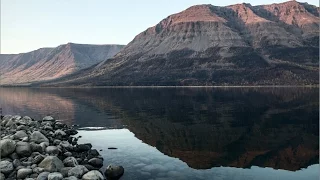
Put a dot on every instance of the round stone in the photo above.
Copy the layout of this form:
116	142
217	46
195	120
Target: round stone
6	167
52	150
7	147
23	173
93	175
55	176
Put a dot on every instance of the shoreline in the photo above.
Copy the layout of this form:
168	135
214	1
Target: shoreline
80	87
48	149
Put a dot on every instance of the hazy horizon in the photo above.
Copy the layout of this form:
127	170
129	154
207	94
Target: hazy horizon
34	24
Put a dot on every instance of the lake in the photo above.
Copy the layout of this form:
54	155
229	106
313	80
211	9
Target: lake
188	133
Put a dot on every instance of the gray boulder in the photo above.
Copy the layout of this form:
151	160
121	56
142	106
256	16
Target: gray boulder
114	172
44	145
43	176
68	154
25	139
92	153
11	137
16	163
93	175
37	159
16	117
25	120
59	125
59	132
38	170
34	154
23	149
66	145
36	147
5	119
6	167
34	176
26	163
78	171
10	123
48	118
48	127
96	162
71	178
2	177
51	164
22	127
56	142
46	123
38	137
34	124
14	156
20	134
90	167
7	147
19	167
70	162
52	150
64	171
55	176
33	166
3	136
23	173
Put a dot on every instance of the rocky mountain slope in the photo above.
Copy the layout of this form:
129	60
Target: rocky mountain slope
51	63
240	44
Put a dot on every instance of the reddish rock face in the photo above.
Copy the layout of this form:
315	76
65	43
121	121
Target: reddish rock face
293	13
51	63
240	44
242	25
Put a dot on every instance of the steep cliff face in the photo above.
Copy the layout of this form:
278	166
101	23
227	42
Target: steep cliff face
240	44
51	63
301	15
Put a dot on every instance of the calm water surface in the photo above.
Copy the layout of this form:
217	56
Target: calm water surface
188	133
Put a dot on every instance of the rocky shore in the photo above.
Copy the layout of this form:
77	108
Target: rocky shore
47	149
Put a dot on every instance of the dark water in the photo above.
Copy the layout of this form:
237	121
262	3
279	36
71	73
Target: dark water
189	133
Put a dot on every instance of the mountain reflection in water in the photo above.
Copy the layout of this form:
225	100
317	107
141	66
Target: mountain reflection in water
204	127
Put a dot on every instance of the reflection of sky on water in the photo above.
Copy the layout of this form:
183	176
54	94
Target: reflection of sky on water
142	161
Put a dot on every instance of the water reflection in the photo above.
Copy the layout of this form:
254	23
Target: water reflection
204	127
36	103
144	162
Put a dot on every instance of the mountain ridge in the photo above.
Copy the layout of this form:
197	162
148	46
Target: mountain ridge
210	45
51	63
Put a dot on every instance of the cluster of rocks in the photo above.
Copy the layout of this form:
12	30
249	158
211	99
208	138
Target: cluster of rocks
48	150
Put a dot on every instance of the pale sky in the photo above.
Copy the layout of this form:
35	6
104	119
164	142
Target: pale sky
28	25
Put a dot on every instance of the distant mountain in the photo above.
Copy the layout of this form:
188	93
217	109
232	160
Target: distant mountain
51	63
241	44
